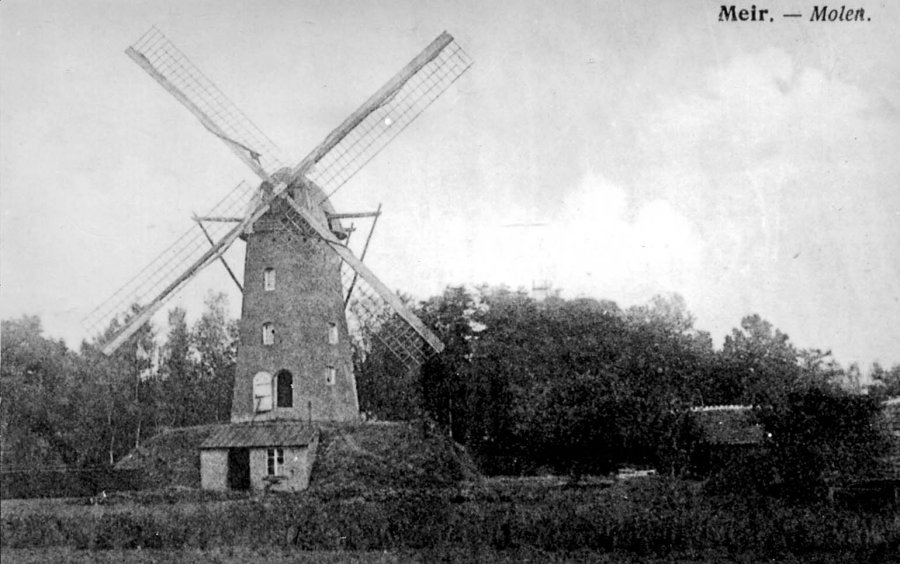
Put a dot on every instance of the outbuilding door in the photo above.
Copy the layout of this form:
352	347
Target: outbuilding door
239	469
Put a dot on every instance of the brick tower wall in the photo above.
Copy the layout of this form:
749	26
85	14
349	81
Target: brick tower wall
306	300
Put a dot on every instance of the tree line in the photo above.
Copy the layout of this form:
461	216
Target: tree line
82	408
583	385
576	385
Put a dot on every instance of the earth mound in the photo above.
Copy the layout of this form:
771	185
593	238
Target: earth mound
379	455
170	458
350	457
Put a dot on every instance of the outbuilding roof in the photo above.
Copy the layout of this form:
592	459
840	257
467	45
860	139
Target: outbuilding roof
267	434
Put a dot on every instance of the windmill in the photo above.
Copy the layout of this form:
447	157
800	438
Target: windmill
303	288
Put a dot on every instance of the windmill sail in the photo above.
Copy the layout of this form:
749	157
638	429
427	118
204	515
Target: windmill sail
148	288
168	66
388	112
369	313
340	156
411	341
345	151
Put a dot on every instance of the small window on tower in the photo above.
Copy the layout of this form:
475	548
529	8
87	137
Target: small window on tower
332	334
269	279
268	334
330	374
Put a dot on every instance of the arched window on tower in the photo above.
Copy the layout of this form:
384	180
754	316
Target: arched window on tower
262	392
269	279
268	334
284	389
330	375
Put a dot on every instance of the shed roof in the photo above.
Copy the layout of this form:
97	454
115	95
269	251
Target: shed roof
268	434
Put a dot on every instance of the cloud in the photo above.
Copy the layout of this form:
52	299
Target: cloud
596	243
617	253
783	169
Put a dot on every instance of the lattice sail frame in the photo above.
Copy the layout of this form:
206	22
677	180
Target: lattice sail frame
163	270
367	310
177	74
383	117
359	139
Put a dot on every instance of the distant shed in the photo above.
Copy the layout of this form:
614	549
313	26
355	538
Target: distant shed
728	430
728	435
274	455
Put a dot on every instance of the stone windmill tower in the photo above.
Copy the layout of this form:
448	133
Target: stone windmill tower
294	356
303	289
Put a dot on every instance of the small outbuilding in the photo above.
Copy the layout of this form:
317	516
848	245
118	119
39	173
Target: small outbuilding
728	434
270	456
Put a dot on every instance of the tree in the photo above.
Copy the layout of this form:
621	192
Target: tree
214	338
449	393
177	373
523	379
86	408
60	407
197	365
887	382
818	367
669	313
122	372
38	404
576	426
759	363
822	436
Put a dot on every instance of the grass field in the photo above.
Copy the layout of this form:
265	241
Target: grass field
507	520
227	556
250	556
394	493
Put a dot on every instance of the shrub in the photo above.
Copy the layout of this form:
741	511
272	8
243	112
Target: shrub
821	437
815	438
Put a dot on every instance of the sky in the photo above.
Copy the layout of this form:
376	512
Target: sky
617	149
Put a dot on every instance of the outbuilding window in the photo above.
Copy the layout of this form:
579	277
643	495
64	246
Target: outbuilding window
269	279
275	461
268	334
